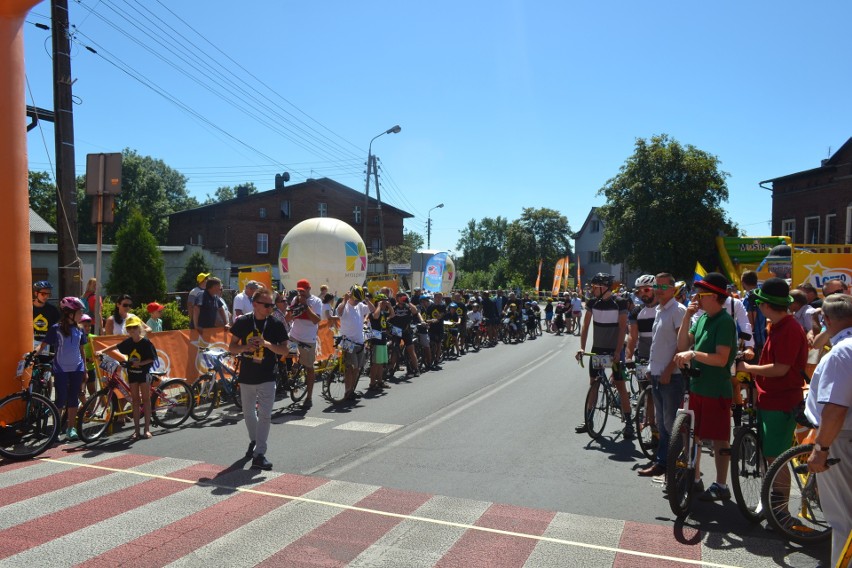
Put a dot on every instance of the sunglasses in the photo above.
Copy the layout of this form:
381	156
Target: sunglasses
126	305
265	304
704	294
662	286
644	289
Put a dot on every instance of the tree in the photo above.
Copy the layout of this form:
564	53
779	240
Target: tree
137	266
663	209
552	236
401	254
43	196
194	266
482	243
226	192
148	184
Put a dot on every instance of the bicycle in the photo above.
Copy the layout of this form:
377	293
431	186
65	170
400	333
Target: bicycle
333	374
171	401
644	420
683	453
788	482
29	421
601	398
219	384
290	375
748	464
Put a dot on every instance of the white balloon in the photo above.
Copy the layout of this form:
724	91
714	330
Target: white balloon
449	276
325	251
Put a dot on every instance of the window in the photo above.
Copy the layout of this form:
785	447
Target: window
595	227
200	240
811	230
594	256
262	243
377	245
285	209
831	229
262	212
788	228
323	209
356	214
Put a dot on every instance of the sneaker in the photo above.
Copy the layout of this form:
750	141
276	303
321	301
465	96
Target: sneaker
629	433
716	493
581	428
250	450
698	486
260	462
653	470
72	436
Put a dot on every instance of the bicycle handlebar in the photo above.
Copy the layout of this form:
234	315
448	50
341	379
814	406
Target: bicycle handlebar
803	468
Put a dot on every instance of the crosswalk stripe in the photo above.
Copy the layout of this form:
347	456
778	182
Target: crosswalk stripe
592	530
296	420
375	427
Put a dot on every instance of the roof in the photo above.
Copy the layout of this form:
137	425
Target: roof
39	225
305	185
842	156
593	214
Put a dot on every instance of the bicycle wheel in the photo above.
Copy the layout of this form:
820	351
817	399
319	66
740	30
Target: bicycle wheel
791	498
595	408
205	396
171	403
646	432
29	425
297	382
333	386
233	388
95	417
747	470
680	476
633	383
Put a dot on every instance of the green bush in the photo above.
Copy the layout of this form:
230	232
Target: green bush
174	318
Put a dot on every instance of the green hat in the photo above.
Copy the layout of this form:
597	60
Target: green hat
774	291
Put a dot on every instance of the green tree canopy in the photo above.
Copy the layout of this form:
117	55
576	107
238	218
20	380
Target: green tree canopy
227	192
664	208
137	267
148	184
402	254
43	196
481	243
195	265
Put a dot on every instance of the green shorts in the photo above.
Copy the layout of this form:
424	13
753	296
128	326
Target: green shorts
776	432
380	354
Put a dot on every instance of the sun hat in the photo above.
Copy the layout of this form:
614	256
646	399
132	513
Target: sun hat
774	291
714	282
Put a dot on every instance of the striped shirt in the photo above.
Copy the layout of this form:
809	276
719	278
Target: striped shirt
605	314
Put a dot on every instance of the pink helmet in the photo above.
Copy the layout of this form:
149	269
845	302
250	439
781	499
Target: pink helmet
71	304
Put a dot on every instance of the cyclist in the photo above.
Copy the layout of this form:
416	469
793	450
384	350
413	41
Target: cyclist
491	315
512	313
458	311
548	313
710	345
640	321
423	331
610	324
353	312
559	318
44	314
404	312
435	318
303	315
379	332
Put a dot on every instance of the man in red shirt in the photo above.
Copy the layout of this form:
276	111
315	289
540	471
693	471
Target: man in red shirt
779	375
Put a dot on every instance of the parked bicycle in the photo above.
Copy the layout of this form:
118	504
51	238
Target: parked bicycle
29	421
218	385
601	399
683	455
644	418
748	464
171	401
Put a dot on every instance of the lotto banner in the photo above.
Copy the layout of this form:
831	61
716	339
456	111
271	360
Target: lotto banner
178	350
816	268
557	277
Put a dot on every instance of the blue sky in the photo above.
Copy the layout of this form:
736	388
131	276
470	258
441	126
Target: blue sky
503	104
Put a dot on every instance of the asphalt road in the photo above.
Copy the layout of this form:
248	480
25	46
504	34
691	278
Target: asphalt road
495	426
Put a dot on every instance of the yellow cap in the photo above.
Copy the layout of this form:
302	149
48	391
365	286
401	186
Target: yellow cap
133	321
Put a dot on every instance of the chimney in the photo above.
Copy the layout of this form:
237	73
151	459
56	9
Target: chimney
242	191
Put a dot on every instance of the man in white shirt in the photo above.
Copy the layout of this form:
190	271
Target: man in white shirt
303	315
353	311
242	301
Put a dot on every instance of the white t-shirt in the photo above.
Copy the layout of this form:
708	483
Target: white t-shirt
352	320
242	302
303	329
327	310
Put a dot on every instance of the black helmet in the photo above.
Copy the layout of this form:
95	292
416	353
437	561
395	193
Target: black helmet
602	279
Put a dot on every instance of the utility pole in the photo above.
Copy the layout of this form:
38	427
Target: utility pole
381	218
429	233
70	280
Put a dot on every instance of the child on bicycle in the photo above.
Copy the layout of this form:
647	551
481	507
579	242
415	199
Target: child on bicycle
140	354
67	340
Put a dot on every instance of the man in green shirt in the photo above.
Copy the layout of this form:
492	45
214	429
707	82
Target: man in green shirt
710	346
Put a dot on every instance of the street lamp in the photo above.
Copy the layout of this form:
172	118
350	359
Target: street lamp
429	226
394	130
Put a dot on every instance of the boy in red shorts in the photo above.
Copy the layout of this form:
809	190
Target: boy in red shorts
710	346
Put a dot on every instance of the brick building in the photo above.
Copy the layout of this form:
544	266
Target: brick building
815	206
248	229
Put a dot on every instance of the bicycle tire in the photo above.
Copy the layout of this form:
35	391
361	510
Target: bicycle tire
233	389
646	432
34	428
205	396
171	403
633	379
96	415
809	525
680	477
595	415
334	387
748	468
297	382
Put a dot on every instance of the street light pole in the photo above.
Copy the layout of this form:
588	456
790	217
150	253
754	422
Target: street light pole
429	226
394	130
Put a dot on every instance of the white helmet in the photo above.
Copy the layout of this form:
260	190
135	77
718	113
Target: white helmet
644	280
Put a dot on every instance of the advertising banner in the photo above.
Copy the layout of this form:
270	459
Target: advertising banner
434	274
557	277
538	278
816	268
